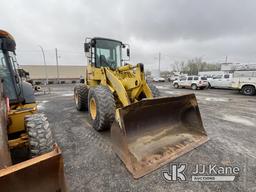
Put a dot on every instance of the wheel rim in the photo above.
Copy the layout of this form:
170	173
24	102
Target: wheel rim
93	108
248	90
193	87
76	98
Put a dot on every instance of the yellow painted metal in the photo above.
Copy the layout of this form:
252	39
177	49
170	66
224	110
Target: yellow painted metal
16	117
19	142
127	82
118	87
93	108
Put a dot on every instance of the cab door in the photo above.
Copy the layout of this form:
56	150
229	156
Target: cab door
189	81
226	81
182	81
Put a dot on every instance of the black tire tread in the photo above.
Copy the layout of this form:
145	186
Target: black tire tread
246	86
82	91
105	104
40	135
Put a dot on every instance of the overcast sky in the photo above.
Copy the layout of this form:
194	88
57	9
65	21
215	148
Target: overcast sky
179	29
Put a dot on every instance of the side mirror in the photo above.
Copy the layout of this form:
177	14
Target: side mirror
86	47
128	52
8	44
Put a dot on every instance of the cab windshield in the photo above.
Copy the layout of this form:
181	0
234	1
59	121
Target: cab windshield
108	53
6	74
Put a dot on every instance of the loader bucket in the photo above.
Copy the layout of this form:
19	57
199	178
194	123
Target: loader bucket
153	132
39	174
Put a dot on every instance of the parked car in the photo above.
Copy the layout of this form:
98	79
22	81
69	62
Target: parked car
172	78
158	79
221	81
245	82
193	82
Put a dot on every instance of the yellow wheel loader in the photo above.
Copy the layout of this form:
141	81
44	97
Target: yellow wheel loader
23	129
147	131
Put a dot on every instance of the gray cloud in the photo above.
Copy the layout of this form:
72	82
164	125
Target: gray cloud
180	29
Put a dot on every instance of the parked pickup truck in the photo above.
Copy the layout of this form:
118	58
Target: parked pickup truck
245	82
193	82
221	81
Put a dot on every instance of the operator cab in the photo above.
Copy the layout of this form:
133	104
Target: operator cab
105	52
16	90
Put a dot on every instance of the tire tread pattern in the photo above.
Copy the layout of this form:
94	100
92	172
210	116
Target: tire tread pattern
40	134
105	104
82	91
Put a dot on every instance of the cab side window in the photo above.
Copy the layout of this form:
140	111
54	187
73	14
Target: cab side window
195	78
190	78
226	76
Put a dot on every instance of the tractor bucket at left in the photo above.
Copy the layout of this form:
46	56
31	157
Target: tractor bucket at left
39	174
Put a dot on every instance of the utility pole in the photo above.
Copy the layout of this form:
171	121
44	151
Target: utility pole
159	63
57	64
45	66
226	59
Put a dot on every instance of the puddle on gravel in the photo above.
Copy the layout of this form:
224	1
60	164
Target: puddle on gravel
217	99
40	104
169	92
67	94
162	87
238	119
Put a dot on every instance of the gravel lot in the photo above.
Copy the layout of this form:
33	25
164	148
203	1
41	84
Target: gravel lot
90	164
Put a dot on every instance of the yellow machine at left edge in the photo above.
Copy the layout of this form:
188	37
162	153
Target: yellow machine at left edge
23	128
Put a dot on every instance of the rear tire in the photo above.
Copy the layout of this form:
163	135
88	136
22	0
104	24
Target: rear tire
194	86
155	91
248	90
101	107
209	86
40	135
81	97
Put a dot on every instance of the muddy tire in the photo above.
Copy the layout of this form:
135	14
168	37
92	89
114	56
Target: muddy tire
248	90
155	91
40	135
81	97
101	107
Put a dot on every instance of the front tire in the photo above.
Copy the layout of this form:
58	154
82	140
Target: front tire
248	90
194	86
40	135
176	85
101	107
81	97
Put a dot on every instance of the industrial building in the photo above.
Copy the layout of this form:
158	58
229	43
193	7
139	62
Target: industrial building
55	74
